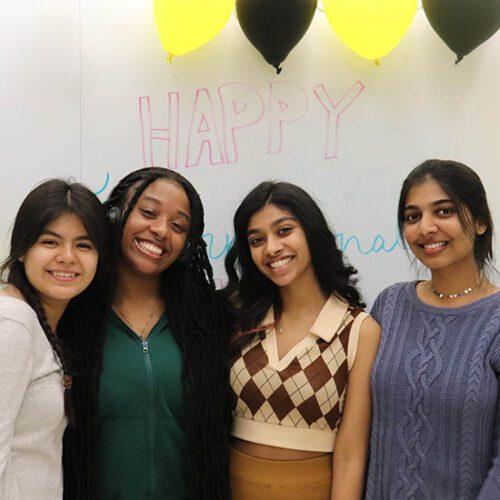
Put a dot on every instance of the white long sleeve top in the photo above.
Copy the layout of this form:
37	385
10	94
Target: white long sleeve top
32	418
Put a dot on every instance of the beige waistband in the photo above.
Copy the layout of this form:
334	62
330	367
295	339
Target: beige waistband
283	437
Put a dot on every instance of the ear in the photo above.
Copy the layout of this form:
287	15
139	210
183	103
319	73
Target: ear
481	228
21	259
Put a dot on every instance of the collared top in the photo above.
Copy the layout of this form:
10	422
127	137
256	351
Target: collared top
296	402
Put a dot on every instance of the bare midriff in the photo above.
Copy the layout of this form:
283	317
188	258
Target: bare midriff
272	452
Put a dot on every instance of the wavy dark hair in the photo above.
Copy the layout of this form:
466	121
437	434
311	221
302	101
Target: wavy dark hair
197	322
465	189
252	293
81	322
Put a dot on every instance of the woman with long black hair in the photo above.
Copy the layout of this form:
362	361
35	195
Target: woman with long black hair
302	354
161	427
55	273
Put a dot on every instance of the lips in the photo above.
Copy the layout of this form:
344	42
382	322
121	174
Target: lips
280	264
149	248
63	275
434	247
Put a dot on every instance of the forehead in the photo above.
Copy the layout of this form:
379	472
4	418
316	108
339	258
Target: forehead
267	215
425	192
67	224
168	194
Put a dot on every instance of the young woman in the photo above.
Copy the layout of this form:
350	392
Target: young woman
436	423
57	246
302	358
163	412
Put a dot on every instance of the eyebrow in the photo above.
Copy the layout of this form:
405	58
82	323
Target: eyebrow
434	204
49	232
156	201
275	223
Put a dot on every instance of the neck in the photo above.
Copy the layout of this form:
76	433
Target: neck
135	288
306	295
449	281
53	313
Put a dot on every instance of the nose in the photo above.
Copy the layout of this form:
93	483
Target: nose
66	255
159	227
274	246
427	224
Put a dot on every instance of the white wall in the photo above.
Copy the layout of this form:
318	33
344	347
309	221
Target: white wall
81	85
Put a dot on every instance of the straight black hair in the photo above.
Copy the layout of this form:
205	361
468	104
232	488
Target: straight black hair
466	191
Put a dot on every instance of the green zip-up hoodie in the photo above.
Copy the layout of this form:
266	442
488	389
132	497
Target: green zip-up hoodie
141	447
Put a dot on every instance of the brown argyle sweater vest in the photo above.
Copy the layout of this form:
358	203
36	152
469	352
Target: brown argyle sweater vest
296	402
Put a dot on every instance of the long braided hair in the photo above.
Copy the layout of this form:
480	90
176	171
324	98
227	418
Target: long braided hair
249	294
188	291
82	319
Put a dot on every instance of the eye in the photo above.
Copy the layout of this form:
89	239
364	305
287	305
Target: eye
149	214
255	241
411	217
283	231
178	227
85	246
446	211
48	242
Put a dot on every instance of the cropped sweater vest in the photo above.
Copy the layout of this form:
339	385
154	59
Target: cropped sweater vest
296	402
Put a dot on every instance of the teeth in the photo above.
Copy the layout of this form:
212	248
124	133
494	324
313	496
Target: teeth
63	275
280	263
435	245
150	247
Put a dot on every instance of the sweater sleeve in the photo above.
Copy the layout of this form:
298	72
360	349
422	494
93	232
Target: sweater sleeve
490	489
16	360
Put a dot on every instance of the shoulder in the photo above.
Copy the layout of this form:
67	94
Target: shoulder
369	332
18	326
391	297
15	310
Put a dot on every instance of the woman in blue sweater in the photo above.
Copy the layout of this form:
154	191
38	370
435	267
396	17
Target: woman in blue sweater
435	382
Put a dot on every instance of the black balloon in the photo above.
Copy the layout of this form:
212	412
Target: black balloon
463	24
274	27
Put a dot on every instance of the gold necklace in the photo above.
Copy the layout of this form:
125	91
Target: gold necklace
144	329
441	295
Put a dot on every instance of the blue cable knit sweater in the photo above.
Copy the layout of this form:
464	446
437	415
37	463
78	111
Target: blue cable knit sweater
436	386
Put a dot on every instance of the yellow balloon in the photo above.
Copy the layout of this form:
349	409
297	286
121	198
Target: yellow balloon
372	28
185	25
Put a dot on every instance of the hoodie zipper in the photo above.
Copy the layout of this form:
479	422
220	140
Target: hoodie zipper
150	413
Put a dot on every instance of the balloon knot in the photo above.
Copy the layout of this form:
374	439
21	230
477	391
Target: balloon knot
377	62
278	69
459	58
170	58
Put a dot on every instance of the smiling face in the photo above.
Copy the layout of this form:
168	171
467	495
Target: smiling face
278	246
433	229
156	230
62	262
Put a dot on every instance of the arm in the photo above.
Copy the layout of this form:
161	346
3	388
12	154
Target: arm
15	370
491	484
351	446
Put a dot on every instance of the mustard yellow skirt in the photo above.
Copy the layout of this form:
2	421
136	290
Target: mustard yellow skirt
258	479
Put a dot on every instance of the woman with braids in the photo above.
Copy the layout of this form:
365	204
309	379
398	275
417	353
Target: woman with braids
53	272
163	397
301	363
